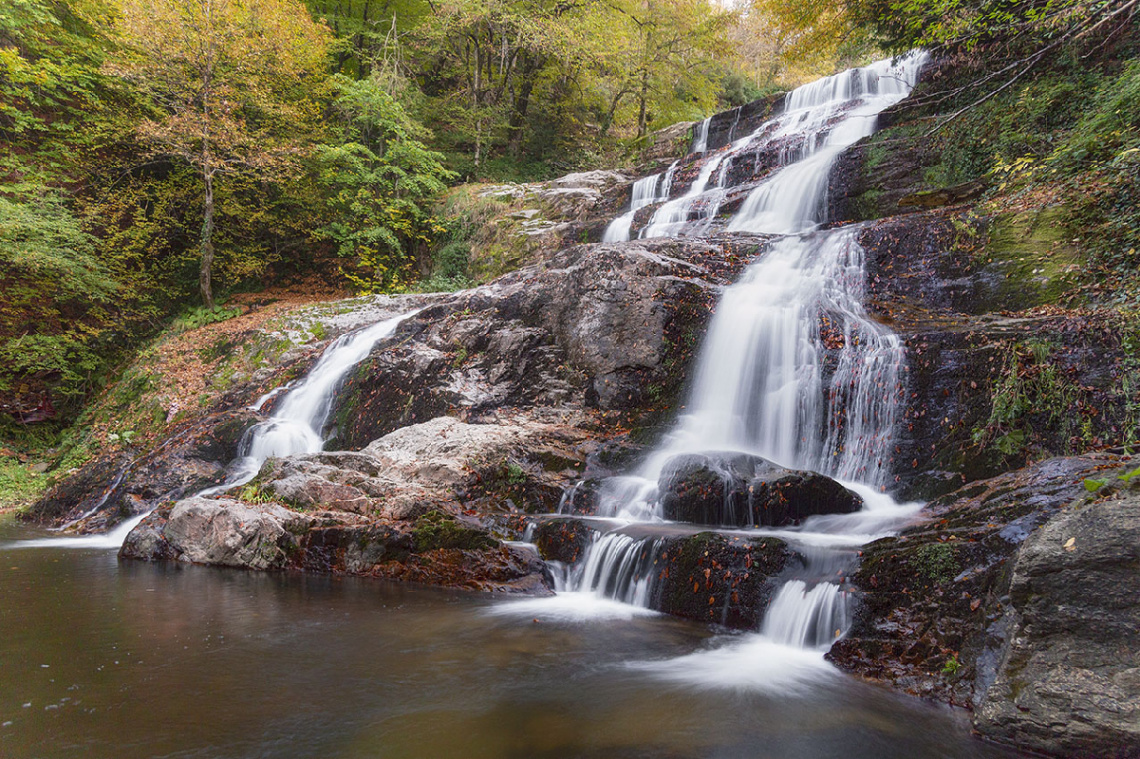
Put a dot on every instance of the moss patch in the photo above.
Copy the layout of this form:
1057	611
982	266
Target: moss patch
1035	252
438	530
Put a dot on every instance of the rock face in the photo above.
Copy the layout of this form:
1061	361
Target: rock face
436	549
980	332
608	328
112	489
563	540
519	224
739	490
986	604
401	508
726	126
1069	676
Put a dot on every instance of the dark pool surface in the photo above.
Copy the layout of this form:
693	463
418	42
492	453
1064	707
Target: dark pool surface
101	658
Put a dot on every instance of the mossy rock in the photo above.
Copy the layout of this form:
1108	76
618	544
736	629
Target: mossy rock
438	530
711	577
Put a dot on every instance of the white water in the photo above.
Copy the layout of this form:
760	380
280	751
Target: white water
792	369
701	142
295	427
818	122
297	424
645	192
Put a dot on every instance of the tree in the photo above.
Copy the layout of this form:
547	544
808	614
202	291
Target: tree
665	56
227	79
794	41
379	178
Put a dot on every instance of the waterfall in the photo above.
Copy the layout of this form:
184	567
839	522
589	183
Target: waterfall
295	427
804	618
792	368
701	137
818	121
297	424
645	193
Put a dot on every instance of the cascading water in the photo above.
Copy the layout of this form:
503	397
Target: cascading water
701	139
818	121
295	427
298	423
645	192
792	369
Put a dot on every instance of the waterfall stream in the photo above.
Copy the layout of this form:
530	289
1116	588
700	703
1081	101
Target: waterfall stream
298	423
296	426
645	192
792	368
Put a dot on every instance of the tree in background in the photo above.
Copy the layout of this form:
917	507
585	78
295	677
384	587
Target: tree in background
794	41
226	78
378	180
666	57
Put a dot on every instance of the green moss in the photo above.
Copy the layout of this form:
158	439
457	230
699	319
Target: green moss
935	562
1034	251
1032	402
19	483
438	530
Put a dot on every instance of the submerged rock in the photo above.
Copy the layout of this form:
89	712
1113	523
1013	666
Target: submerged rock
740	490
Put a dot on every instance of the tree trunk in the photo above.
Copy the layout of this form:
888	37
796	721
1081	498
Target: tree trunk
475	91
530	69
207	241
643	96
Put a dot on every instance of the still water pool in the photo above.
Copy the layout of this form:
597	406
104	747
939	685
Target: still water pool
101	658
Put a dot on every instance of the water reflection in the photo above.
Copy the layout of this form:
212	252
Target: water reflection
102	659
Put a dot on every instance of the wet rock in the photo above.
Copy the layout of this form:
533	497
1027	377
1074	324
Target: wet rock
730	125
563	540
725	579
111	490
741	490
1068	681
930	616
612	328
979	329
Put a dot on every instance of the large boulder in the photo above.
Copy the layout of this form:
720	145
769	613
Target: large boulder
221	532
1068	681
740	490
988	605
437	548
